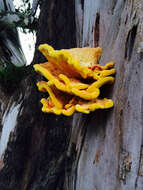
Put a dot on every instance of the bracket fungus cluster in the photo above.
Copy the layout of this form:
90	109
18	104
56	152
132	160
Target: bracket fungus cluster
74	78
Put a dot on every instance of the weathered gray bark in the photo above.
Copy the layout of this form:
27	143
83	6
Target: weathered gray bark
102	150
109	145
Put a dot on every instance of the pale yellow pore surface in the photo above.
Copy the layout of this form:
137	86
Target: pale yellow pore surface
76	60
86	56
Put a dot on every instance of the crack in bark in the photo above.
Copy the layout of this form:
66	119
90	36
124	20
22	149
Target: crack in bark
97	30
82	4
130	42
139	167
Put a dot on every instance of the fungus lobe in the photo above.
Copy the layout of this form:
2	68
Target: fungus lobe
74	79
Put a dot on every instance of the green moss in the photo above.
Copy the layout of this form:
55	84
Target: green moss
11	75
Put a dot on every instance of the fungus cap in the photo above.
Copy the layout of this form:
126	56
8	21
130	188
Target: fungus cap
74	80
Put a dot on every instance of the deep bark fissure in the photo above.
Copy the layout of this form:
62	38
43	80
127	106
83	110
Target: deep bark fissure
82	4
96	30
129	45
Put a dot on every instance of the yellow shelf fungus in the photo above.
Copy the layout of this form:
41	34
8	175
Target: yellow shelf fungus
74	80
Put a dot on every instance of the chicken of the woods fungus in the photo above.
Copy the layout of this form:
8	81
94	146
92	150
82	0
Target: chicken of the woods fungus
74	78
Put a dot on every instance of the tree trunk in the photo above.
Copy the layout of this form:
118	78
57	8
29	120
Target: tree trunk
109	144
102	150
33	144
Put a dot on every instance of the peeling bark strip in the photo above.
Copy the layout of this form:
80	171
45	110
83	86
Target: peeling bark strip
125	166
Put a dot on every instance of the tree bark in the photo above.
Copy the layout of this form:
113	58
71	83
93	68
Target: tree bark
102	150
33	144
109	144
